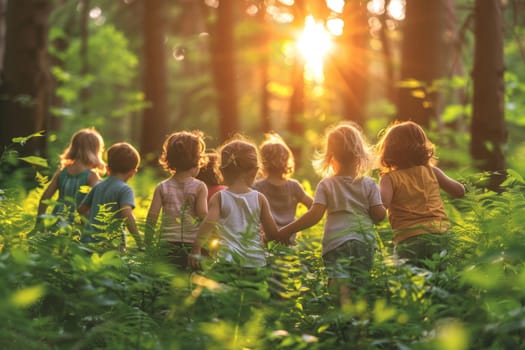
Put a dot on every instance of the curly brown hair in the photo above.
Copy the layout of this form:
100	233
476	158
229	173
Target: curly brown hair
403	145
276	156
182	151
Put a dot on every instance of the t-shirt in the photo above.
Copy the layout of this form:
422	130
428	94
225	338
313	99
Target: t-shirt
240	238
70	192
283	199
177	200
416	206
347	202
111	193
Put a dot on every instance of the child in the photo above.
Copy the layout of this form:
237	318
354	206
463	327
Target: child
352	203
209	174
80	166
114	194
238	211
283	193
410	189
181	198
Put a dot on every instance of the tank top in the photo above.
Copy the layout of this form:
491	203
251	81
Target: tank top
416	207
240	238
71	192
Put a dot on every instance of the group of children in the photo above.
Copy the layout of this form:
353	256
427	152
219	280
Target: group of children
244	211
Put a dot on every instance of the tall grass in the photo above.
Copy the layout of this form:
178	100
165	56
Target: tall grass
58	293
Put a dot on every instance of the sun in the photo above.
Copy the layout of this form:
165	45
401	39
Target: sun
313	44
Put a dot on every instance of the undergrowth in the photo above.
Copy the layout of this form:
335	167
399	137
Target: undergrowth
59	293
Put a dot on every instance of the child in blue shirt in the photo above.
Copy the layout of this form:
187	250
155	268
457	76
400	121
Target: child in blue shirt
114	195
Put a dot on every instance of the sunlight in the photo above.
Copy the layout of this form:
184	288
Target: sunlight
313	44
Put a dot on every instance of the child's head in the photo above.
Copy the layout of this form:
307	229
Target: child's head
403	145
277	158
345	144
86	146
122	158
209	173
182	151
238	158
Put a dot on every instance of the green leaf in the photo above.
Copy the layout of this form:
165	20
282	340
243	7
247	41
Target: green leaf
411	84
34	160
23	140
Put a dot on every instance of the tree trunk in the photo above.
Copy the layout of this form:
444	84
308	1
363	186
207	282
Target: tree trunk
222	45
296	109
352	62
264	44
488	130
423	59
155	124
25	85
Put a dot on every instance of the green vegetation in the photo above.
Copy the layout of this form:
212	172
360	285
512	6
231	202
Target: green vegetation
58	293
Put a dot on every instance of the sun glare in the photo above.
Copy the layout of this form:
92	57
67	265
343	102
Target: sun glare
313	44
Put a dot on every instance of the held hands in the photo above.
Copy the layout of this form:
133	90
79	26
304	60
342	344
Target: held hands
194	257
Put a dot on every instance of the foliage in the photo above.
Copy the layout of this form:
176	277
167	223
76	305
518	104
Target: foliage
59	293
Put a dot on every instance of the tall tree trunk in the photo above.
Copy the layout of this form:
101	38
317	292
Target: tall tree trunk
297	103
423	59
3	7
25	84
222	47
264	44
84	58
155	119
488	130
352	62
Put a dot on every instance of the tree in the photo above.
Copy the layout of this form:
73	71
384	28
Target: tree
24	89
488	130
352	61
155	118
222	48
423	60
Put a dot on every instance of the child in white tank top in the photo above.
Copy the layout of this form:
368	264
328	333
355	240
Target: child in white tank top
238	212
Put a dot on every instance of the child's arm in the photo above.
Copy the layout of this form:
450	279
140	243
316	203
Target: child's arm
307	200
93	179
152	217
385	188
50	190
377	213
452	187
201	202
206	227
310	218
269	226
129	218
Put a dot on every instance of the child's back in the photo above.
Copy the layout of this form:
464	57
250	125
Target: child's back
410	188
283	193
79	166
111	201
180	200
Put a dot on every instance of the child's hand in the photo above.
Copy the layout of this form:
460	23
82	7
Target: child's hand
194	258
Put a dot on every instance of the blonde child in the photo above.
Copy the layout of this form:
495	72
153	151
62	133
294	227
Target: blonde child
238	212
352	203
181	198
410	189
80	166
210	175
113	196
283	193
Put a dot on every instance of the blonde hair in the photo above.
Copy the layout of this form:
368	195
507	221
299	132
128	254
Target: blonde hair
182	151
345	143
403	145
276	156
86	146
238	156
